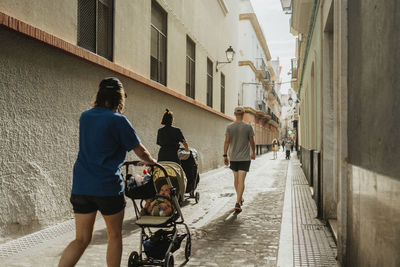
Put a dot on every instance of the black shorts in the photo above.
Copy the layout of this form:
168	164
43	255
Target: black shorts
106	205
240	165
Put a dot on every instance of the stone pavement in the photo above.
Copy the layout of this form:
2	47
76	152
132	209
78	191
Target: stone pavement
277	227
250	238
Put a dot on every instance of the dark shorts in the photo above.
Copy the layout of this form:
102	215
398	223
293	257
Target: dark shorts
240	165
106	205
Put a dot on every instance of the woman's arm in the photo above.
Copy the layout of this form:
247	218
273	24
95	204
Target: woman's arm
185	145
144	155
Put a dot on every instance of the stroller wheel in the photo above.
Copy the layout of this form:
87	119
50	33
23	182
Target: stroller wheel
188	248
169	260
133	260
197	197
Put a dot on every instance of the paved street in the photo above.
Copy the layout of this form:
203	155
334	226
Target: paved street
219	238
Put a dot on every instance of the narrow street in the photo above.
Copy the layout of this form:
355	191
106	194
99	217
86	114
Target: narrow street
88	84
218	237
277	227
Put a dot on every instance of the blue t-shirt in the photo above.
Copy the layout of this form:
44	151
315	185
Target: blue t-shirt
104	138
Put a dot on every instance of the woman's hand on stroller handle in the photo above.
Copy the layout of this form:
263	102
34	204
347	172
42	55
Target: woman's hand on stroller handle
147	163
139	163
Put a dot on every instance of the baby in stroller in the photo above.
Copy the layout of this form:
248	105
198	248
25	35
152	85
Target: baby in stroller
161	204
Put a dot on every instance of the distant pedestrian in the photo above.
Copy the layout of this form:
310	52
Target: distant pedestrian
239	139
168	138
288	146
105	136
283	145
275	148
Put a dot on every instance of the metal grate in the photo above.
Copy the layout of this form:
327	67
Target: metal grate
104	29
87	24
95	26
16	246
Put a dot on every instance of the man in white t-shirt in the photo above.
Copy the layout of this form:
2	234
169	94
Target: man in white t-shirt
239	138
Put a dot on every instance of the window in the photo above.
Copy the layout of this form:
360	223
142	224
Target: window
190	67
95	26
222	93
158	50
209	83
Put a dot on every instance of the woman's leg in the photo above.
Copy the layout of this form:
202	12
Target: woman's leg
84	229
114	233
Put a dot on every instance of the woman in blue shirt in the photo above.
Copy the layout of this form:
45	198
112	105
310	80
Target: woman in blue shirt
105	136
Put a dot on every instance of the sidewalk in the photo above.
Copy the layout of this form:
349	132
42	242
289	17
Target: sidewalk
276	228
304	240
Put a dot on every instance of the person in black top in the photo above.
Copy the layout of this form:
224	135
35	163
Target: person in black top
168	138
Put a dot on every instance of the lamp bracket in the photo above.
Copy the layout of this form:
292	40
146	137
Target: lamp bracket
221	63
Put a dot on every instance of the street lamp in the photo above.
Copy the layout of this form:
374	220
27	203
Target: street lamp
230	54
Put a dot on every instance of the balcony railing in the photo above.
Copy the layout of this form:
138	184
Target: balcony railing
275	118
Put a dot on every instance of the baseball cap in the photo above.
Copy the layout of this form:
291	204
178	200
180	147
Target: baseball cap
239	110
111	83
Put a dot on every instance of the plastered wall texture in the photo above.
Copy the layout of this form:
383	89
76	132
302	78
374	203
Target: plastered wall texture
373	219
42	94
373	133
374	96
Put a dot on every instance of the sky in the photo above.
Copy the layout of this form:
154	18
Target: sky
276	28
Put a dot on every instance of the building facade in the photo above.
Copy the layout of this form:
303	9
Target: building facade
346	77
55	53
258	79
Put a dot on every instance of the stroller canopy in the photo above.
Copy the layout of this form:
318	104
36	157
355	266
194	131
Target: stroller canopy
175	173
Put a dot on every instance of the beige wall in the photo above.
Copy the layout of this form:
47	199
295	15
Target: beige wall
203	21
43	92
132	35
56	17
373	219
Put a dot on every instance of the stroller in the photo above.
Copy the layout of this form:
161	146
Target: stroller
157	248
189	163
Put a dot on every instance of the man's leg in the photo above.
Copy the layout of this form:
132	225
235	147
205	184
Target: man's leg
84	229
114	233
236	180
240	185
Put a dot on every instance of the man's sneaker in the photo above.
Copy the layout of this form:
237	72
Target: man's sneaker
237	207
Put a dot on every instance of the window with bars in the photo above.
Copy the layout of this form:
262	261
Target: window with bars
222	93
96	26
209	83
158	49
190	67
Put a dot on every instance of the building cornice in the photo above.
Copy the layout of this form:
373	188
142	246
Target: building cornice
258	73
248	63
260	36
56	42
223	6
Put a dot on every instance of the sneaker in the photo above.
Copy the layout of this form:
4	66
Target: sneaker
241	202
237	207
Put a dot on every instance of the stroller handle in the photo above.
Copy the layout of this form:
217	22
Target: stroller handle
136	163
